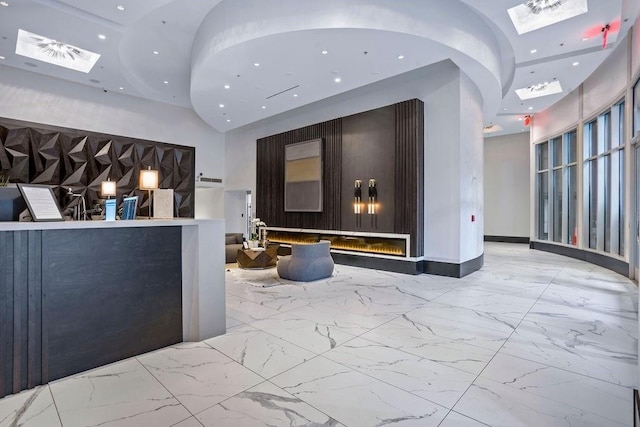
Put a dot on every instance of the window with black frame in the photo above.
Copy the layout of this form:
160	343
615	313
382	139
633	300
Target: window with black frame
604	181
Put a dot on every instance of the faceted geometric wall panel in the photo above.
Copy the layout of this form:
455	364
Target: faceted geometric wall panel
81	160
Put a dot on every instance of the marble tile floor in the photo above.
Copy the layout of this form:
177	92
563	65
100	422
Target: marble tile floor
532	339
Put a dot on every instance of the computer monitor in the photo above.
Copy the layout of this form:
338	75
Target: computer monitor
11	204
129	207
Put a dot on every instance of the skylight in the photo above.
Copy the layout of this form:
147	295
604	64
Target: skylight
538	90
54	52
534	14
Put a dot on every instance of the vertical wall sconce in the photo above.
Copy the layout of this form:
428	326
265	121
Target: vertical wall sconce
148	181
108	189
357	197
373	197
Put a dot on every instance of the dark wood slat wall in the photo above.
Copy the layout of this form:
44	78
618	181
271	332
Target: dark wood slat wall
20	318
6	313
409	176
71	300
269	199
409	182
131	296
34	304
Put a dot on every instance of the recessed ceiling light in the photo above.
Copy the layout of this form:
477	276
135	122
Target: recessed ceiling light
166	82
539	89
256	64
324	52
504	109
227	86
102	36
295	95
4	3
120	7
530	108
519	119
221	105
575	64
533	50
228	120
584	39
400	56
2	57
264	106
337	80
121	88
155	52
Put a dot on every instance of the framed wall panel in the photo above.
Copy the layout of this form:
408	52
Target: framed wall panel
303	176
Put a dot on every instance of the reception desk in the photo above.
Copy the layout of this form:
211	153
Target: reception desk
78	295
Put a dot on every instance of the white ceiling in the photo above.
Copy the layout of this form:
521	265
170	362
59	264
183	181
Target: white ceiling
286	38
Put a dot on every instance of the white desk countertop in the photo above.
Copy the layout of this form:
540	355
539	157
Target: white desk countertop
74	225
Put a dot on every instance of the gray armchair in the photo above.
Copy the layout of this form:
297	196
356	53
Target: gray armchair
307	262
232	242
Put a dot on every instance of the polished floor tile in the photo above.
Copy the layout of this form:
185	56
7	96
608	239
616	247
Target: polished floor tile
578	351
355	399
265	405
31	408
198	375
123	394
587	394
259	351
497	404
433	381
532	339
316	337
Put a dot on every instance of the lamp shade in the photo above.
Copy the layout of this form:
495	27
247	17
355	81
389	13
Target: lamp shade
108	188
148	179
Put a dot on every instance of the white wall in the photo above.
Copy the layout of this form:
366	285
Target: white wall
235	206
442	168
35	98
445	95
558	118
607	83
506	185
210	202
471	171
635	49
600	90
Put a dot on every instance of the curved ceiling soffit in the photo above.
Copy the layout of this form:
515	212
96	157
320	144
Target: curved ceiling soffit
177	39
471	43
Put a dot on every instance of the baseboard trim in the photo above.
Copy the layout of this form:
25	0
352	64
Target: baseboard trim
506	239
449	269
385	264
607	262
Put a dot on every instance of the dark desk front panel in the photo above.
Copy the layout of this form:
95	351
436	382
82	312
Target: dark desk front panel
72	300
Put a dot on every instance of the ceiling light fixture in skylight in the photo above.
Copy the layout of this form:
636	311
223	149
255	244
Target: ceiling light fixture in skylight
491	128
538	90
534	14
54	52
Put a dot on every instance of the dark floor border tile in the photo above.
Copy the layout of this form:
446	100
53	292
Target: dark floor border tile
506	239
609	263
452	269
385	264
